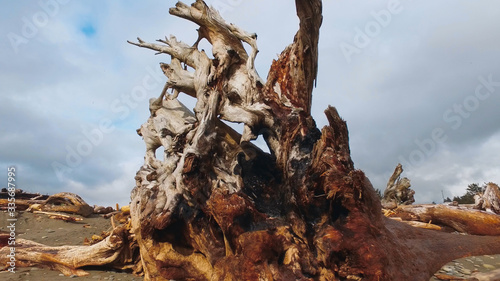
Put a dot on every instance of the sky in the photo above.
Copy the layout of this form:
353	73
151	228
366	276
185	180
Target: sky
418	83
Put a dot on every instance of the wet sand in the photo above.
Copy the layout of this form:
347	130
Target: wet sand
465	267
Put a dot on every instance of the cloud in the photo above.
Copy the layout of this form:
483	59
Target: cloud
396	91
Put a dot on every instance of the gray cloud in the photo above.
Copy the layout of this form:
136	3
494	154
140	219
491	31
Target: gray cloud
397	90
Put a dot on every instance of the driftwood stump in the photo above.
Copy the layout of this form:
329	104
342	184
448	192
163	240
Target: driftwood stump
489	200
398	191
216	207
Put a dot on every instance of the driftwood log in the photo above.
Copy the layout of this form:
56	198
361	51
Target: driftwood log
23	199
118	250
63	202
461	219
216	207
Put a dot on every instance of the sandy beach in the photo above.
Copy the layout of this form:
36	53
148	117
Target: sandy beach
52	232
40	228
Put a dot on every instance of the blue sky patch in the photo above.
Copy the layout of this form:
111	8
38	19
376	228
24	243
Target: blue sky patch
88	29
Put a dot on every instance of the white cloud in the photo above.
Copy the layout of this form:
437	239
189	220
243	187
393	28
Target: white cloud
108	194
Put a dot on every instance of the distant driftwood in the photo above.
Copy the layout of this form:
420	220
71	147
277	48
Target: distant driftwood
398	191
489	200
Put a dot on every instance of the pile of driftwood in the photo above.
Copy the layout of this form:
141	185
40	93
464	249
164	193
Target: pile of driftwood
216	207
69	207
65	202
481	218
